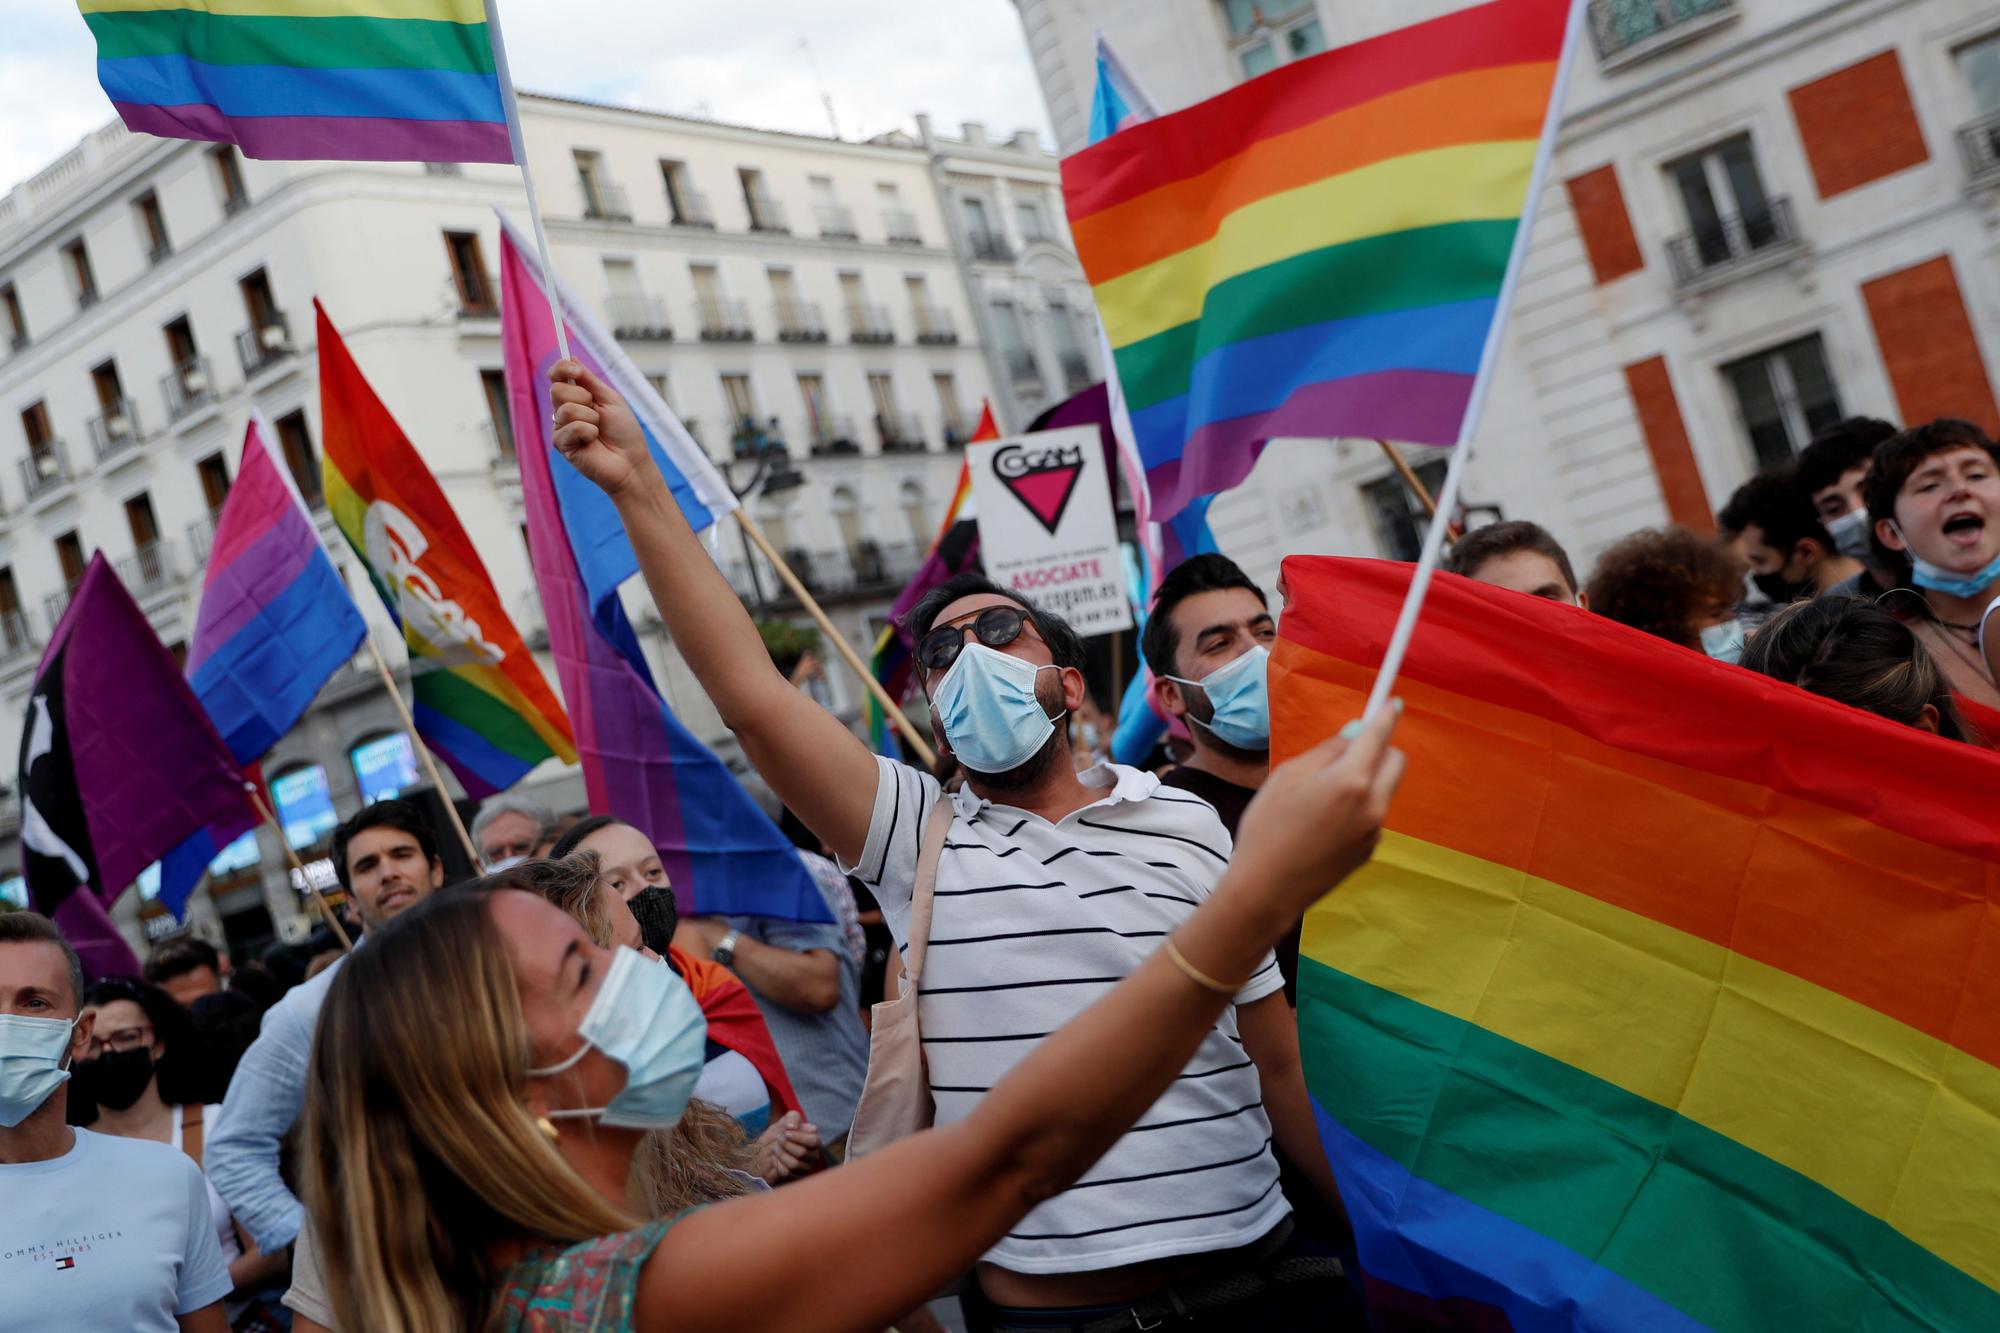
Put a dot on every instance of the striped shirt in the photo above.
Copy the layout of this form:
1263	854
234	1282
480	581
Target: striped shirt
1030	923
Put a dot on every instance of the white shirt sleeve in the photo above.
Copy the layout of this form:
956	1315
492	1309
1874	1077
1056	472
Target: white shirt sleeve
888	866
204	1278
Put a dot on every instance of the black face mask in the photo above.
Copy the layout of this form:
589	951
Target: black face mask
117	1078
658	914
1781	590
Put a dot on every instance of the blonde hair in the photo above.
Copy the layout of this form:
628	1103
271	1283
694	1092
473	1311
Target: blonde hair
419	1150
674	1169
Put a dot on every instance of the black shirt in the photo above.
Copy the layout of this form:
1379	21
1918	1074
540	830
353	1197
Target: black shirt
1230	801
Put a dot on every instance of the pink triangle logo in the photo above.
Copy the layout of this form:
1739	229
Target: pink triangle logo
1041	479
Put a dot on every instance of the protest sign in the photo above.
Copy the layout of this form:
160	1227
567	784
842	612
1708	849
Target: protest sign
1046	528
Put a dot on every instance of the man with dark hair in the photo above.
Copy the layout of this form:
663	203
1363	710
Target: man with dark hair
1774	528
1831	471
386	858
1934	499
1517	555
1050	886
95	1231
186	967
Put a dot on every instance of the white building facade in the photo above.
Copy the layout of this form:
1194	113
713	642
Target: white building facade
796	299
1762	216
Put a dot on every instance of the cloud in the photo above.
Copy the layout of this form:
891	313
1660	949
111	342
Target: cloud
878	61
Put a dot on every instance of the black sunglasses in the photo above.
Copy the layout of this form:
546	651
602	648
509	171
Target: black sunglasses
996	626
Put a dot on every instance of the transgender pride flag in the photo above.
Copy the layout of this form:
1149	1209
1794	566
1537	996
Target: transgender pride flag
723	854
275	621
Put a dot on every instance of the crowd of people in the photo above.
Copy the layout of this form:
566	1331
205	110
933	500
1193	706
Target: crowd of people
546	1099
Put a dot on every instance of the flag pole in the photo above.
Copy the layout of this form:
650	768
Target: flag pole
1417	487
271	820
515	138
841	645
1447	499
417	740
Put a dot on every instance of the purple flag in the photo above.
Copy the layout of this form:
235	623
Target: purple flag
119	762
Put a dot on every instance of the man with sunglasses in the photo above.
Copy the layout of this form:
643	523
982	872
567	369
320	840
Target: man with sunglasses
1051	887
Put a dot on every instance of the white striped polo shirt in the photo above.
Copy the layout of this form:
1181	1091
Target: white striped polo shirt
1030	923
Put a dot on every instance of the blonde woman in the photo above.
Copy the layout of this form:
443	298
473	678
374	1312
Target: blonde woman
471	1134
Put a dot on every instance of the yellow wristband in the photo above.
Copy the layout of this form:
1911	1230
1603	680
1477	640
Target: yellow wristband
1196	975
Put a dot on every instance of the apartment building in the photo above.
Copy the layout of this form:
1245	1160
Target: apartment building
798	300
1762	215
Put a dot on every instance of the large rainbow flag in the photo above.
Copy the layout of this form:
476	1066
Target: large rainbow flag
1321	251
477	696
385	80
1672	997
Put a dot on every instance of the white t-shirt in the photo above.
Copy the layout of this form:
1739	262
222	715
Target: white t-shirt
1030	923
114	1234
225	1225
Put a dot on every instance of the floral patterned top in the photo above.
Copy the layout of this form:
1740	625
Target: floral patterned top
590	1287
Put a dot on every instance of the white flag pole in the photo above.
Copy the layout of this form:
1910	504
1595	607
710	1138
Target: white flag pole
527	177
1447	499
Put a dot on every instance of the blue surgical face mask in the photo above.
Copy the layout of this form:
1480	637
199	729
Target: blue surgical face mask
1724	642
1850	535
1939	579
987	706
31	1055
1236	691
646	1019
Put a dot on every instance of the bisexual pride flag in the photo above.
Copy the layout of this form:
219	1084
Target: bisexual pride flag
723	854
1323	250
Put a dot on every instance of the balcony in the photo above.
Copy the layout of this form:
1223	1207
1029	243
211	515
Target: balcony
869	324
935	326
201	537
832	436
1021	366
751	440
1076	371
864	570
17	640
836	223
958	429
899	432
115	430
58	602
265	343
149	569
723	321
690	209
766	214
187	388
799	322
159	254
604	202
1734	245
1627	31
636	315
990	246
900	227
1979	145
46	469
479	299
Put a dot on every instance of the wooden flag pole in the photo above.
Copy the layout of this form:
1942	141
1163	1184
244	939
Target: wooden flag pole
1417	487
417	740
298	868
840	643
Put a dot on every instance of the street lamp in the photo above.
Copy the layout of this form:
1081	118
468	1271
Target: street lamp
774	473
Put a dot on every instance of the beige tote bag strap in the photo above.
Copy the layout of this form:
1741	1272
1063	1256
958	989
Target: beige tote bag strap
936	828
191	1131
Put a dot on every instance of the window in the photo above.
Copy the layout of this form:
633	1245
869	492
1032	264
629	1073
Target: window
1028	216
386	767
143	522
305	805
35	424
493	383
1730	215
1979	66
104	380
812	393
736	395
82	281
152	226
70	558
1399	517
1069	348
213	473
916	512
1012	336
1784	397
229	177
707	284
765	215
468	274
17	322
946	385
847	516
268	337
295	441
14	637
180	341
882	393
1266	35
898	223
836	220
688	208
980	236
658	384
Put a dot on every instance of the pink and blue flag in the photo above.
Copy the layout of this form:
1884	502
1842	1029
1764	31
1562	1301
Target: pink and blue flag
276	621
722	853
1119	101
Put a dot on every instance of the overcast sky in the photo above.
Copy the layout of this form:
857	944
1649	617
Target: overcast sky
881	61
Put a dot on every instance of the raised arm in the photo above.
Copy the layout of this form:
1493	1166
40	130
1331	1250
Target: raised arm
810	1255
815	765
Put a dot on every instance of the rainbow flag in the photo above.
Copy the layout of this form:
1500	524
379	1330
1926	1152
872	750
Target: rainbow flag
1321	251
1671	998
478	698
380	80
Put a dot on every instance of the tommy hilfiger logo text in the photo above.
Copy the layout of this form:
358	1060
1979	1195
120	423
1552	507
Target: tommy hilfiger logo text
62	1251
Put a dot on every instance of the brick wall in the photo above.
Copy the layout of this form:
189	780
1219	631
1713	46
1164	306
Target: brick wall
1857	124
1928	346
1666	435
1604	223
